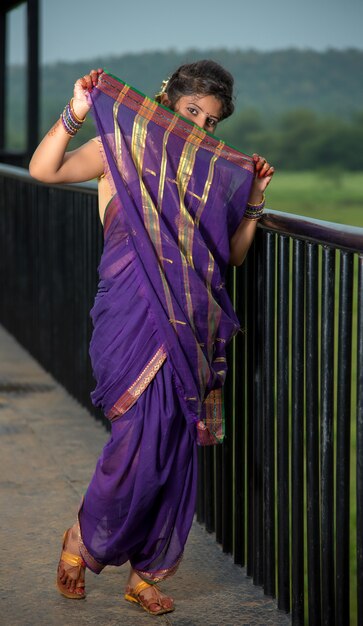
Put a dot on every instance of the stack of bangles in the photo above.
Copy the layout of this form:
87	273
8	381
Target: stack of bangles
254	211
71	122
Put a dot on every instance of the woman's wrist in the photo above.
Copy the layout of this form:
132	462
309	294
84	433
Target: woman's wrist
256	198
71	118
80	108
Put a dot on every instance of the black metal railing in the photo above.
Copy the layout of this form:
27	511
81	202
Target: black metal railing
292	463
50	244
284	493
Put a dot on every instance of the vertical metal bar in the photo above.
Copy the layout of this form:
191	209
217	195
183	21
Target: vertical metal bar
200	487
227	449
343	437
2	76
258	421
250	407
33	76
297	435
268	305
209	489
312	435
240	421
218	491
327	447
359	487
283	425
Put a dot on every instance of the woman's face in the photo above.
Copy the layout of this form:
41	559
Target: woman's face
205	111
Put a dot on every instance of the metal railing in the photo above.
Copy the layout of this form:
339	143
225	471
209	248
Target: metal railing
284	493
50	244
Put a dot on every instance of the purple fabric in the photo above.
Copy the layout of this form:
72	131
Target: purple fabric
140	503
182	195
124	338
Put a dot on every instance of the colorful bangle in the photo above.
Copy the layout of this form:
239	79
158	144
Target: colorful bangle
254	211
71	122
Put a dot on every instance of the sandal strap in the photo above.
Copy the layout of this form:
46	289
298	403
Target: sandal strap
141	586
72	559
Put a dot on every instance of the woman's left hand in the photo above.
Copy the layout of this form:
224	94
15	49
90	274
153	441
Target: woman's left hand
263	174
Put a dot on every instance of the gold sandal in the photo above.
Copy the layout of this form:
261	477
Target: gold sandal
134	595
75	561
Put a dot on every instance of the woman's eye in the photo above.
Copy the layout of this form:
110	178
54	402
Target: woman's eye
211	122
192	111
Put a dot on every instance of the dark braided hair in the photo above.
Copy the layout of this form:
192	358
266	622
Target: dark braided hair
205	78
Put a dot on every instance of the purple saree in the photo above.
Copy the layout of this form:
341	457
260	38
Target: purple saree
162	319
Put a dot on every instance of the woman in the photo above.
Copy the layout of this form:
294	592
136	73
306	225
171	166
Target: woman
177	206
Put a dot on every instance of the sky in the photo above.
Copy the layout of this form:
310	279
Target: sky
73	30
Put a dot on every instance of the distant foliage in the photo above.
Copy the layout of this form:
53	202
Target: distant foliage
299	139
301	109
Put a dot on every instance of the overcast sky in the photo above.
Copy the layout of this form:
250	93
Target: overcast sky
78	29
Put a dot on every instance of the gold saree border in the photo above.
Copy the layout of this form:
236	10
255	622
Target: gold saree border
155	577
91	562
129	397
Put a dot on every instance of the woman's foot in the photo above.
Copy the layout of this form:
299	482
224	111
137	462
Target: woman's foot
71	567
148	596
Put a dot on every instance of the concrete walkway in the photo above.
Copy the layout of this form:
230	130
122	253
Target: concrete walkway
48	447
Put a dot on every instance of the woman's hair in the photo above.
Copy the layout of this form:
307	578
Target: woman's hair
205	78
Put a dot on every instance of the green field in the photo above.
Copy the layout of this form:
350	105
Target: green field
330	195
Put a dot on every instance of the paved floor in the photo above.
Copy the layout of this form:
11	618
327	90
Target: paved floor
48	447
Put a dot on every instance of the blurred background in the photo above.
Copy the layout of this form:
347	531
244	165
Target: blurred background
298	70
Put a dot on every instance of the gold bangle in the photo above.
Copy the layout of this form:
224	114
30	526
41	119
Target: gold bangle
259	204
78	119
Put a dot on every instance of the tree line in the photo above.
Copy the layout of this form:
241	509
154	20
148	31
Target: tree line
302	109
299	139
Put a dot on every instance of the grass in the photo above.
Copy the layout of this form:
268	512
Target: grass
329	195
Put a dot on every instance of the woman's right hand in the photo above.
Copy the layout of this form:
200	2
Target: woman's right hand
82	87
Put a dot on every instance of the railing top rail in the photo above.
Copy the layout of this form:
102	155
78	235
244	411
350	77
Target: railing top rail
318	231
12	171
298	226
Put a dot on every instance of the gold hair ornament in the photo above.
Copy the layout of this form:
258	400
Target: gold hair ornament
163	88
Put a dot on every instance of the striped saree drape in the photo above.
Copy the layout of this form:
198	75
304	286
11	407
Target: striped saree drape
182	194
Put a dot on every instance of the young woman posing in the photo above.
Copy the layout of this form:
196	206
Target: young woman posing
161	315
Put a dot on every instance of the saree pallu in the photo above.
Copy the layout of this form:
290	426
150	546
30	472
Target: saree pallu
182	193
162	319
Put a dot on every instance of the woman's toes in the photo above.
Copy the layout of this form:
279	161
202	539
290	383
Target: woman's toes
167	603
62	575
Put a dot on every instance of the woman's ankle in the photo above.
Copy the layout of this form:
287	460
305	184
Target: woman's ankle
74	533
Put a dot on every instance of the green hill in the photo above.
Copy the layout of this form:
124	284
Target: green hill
269	83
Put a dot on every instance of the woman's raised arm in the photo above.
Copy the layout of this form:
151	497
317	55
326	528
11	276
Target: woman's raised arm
244	235
51	163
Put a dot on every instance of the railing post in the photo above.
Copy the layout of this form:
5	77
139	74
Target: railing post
2	76
343	438
257	323
359	474
240	419
283	424
297	434
250	397
227	449
312	435
33	75
269	273
327	448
